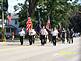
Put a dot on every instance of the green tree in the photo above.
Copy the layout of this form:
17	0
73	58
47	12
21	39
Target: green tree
26	10
61	10
5	7
58	10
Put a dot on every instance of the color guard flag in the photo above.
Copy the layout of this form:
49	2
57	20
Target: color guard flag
48	25
38	26
28	24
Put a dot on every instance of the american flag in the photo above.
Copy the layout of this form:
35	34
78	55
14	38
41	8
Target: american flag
28	24
48	25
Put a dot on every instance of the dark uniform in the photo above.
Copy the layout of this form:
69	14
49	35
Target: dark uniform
71	35
31	36
50	36
22	34
68	35
54	35
63	36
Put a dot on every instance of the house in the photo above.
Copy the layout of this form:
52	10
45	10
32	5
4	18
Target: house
13	26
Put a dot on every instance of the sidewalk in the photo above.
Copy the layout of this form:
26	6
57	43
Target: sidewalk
17	42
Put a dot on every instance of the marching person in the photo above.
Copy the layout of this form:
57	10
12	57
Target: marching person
68	35
49	35
43	35
71	35
54	33
63	35
22	34
59	34
31	36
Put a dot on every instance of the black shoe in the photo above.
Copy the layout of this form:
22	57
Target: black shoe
21	44
54	44
42	44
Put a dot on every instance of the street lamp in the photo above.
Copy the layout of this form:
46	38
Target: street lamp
38	8
38	26
44	13
27	3
44	8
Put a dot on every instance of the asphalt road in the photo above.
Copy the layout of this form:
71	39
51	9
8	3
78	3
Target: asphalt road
13	51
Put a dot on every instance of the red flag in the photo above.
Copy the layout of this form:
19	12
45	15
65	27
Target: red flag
48	25
28	24
9	19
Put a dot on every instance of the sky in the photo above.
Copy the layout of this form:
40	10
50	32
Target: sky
11	3
79	1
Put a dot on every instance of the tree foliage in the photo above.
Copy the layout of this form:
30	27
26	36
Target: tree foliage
76	22
5	14
60	11
26	10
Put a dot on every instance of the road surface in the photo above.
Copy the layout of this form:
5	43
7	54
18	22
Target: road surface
13	51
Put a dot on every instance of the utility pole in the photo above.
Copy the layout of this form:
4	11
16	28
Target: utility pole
3	30
4	9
